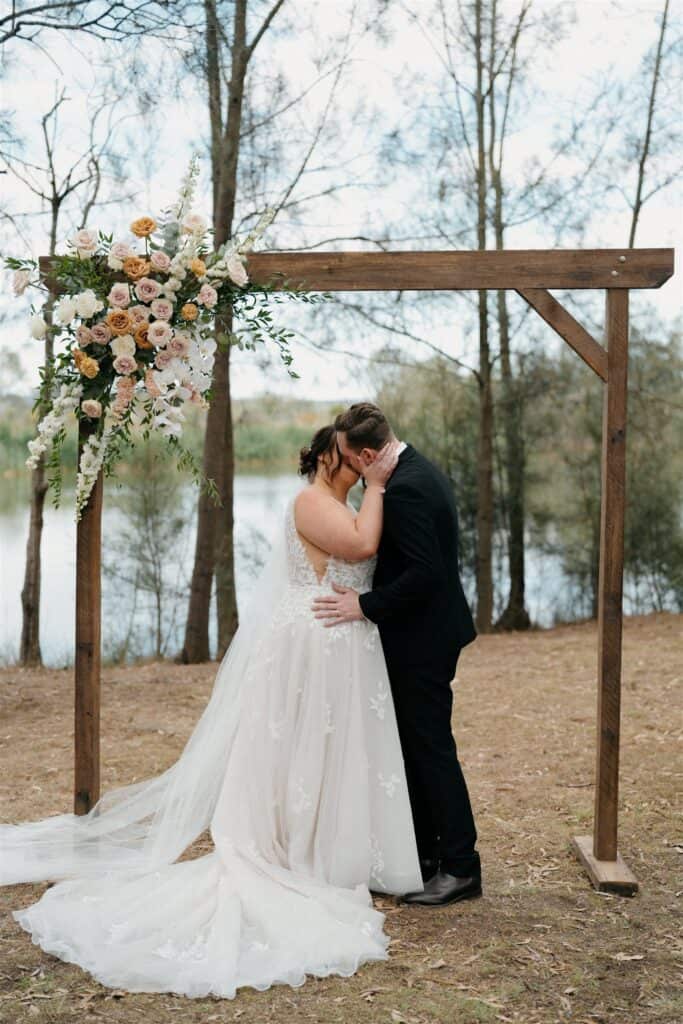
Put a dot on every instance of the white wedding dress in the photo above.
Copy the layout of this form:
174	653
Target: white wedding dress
296	768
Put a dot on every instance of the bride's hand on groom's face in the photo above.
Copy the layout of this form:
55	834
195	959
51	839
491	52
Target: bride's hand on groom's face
380	469
341	607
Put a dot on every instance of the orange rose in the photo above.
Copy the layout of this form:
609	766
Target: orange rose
135	267
143	226
141	336
198	267
90	367
118	321
189	311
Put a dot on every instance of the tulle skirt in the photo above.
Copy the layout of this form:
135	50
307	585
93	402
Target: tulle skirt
312	812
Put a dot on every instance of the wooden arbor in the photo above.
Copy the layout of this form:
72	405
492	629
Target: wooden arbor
530	273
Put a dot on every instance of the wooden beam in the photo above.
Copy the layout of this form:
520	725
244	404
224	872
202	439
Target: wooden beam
88	644
429	270
561	320
610	586
448	270
603	862
606	876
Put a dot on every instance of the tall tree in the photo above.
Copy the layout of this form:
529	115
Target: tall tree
238	116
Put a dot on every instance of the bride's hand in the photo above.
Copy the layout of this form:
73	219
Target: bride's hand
378	472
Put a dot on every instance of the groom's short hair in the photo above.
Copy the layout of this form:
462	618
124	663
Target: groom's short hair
365	426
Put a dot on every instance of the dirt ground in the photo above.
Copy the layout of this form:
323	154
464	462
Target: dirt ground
540	947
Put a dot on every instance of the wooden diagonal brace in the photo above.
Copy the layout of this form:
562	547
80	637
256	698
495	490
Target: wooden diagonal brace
561	320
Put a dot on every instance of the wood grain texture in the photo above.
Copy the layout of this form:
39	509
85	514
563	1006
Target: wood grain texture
465	270
512	268
562	321
606	875
88	645
610	585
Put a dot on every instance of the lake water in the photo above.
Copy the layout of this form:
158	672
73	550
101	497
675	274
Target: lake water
259	502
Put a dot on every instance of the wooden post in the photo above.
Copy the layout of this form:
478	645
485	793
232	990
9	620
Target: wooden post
601	859
88	644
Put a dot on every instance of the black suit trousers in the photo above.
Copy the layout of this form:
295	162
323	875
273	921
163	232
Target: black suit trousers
440	802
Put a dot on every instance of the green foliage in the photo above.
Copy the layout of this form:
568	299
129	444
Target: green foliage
436	408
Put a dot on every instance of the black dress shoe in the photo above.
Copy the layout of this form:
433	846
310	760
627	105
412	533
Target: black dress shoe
443	889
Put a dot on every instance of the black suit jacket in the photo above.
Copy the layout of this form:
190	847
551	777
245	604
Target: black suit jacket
417	598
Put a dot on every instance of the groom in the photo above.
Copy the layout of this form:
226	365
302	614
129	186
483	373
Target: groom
424	621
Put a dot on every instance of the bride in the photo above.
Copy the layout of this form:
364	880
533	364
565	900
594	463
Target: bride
294	766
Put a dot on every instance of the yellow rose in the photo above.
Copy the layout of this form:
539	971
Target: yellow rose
189	311
118	321
198	267
135	267
143	226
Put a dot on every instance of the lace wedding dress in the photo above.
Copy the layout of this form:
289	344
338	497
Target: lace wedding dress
296	768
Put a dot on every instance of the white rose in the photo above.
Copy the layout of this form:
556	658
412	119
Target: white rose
236	271
87	304
124	345
113	263
38	328
173	283
66	310
194	224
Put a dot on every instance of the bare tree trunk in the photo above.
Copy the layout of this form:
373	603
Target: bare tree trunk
484	613
226	598
515	615
647	139
29	644
214	549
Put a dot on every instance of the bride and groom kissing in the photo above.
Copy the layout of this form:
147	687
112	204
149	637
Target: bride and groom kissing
324	765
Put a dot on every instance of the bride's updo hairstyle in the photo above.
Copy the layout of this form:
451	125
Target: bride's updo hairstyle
324	441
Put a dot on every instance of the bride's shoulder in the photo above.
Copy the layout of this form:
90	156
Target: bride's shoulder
312	503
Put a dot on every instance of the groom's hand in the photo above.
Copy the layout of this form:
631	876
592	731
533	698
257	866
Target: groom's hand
343	607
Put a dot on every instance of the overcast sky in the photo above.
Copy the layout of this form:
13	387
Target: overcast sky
602	36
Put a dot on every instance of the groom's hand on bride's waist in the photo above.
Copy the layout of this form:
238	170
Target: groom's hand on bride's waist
342	606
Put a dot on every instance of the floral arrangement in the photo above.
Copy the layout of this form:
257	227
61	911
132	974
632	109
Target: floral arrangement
139	327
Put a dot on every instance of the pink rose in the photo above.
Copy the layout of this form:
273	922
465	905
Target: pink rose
159	332
163	358
159	260
236	271
125	385
125	364
100	333
146	289
83	335
85	241
139	314
208	296
179	344
121	250
92	408
162	309
119	296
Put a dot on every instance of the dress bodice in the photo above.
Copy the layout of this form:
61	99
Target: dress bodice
301	573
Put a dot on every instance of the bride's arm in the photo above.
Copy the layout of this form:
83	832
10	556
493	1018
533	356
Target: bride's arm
323	521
